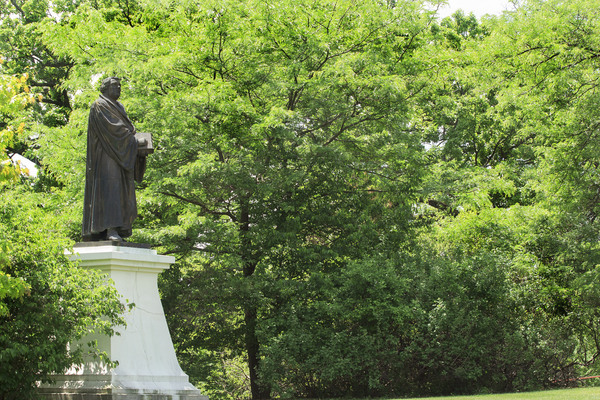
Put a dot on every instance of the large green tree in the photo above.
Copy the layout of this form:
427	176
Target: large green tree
511	193
285	149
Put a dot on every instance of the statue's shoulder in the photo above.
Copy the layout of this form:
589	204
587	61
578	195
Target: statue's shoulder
101	106
97	103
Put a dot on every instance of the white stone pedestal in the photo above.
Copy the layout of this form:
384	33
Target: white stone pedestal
148	368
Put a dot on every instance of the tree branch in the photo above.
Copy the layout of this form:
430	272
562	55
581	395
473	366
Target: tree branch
203	206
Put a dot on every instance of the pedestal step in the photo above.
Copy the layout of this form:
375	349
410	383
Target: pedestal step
117	394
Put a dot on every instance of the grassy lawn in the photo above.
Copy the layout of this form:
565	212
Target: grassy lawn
592	393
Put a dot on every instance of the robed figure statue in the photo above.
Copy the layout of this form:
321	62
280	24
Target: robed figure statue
113	164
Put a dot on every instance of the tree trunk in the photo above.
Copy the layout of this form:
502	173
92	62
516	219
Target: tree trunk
258	391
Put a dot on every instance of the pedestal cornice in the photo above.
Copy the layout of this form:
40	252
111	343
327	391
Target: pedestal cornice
123	256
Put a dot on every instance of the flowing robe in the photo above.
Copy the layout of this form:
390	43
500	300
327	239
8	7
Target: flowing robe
109	200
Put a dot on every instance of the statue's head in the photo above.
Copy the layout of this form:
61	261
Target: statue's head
111	87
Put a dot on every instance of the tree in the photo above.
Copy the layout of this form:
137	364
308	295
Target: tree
557	64
46	301
285	148
509	130
23	51
12	101
62	302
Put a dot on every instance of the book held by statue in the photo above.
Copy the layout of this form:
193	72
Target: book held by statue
145	144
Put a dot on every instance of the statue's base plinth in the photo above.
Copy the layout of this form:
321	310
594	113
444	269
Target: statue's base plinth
147	366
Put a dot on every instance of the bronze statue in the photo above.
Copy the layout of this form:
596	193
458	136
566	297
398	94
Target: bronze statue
116	158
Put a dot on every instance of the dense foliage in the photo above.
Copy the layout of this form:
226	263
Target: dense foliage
363	200
47	303
61	302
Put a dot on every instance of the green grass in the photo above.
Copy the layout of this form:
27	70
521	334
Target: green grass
592	393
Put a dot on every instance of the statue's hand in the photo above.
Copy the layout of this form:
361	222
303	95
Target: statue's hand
142	141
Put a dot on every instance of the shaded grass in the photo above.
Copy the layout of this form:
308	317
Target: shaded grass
590	393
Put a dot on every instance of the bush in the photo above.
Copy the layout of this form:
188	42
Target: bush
62	303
